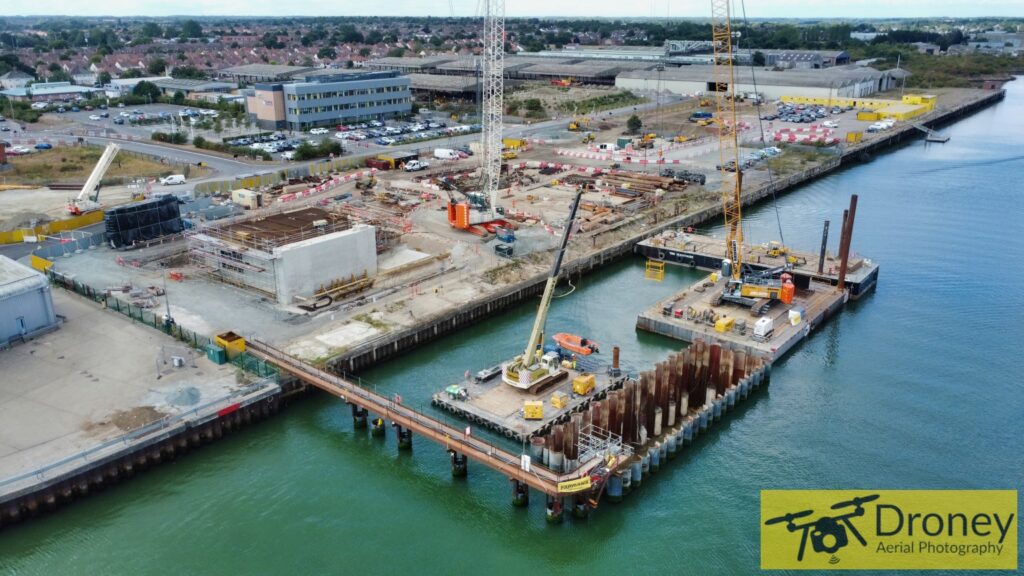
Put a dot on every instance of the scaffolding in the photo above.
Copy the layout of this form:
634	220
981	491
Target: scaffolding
597	442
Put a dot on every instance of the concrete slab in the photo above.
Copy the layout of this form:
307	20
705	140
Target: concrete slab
96	377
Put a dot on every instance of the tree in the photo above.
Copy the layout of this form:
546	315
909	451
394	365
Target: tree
132	73
178	98
151	30
146	89
157	66
364	52
327	53
634	124
191	29
188	72
103	78
533	105
758	58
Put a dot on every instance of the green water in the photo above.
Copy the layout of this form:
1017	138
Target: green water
915	386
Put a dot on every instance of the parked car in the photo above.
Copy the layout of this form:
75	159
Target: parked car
118	120
318	131
104	114
44	146
173	179
94	116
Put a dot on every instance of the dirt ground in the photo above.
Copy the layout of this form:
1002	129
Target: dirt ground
555	100
17	207
74	164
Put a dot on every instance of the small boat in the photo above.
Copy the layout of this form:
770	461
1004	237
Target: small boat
487	373
576	344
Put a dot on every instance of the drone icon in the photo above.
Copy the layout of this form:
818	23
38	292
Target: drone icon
828	533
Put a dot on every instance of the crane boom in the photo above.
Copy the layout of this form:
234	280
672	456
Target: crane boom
97	173
728	148
492	105
549	287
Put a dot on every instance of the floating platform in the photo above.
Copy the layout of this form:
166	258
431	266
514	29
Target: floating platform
814	304
707	253
497	406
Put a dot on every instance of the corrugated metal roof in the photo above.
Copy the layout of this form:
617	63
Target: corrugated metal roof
17	278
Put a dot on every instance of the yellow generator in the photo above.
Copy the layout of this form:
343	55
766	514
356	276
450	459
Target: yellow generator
533	410
559	400
583	384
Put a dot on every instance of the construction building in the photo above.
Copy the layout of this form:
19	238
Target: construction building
292	257
249	73
834	82
432	86
26	304
328	98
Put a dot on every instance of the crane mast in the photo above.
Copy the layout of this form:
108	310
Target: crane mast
728	149
87	200
492	106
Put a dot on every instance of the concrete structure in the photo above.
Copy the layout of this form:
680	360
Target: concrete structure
288	256
250	73
15	79
409	64
49	92
329	99
927	48
838	81
120	86
190	87
439	85
804	58
26	305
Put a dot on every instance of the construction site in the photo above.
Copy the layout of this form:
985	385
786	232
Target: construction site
331	271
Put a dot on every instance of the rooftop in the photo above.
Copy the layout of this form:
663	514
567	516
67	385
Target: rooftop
410	62
442	83
263	70
17	278
193	85
47	88
823	77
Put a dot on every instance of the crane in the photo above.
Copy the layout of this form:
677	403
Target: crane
756	291
524	371
492	106
87	201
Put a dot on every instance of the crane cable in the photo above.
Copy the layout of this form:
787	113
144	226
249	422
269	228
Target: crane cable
760	129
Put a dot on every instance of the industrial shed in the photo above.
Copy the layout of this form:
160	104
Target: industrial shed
840	81
26	305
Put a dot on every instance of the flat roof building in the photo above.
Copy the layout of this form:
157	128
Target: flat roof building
249	73
49	91
26	304
189	87
329	99
840	82
407	64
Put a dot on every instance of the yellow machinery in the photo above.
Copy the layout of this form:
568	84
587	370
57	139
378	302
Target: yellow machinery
583	384
724	324
509	155
680	139
231	342
579	123
589	138
655	270
559	400
776	249
533	410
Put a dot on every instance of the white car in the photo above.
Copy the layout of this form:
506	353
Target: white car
343	135
19	150
320	131
94	116
830	124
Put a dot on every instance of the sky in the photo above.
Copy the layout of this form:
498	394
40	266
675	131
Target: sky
519	8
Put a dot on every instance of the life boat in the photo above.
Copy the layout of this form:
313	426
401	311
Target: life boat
575	343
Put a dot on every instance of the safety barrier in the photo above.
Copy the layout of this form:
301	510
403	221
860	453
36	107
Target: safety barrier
51	228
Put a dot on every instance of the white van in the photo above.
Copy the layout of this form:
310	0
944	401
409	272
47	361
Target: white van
173	179
445	154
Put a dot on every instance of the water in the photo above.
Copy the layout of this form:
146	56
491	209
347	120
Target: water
912	387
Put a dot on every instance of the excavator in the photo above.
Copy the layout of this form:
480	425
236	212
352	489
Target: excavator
530	370
88	198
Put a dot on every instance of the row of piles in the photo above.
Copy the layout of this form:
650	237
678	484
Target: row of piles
661	399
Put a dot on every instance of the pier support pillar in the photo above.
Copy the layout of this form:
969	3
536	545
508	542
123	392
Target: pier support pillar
615	371
377	427
554	509
404	438
655	455
460	464
614	489
358	417
636	468
520	494
824	247
671	445
580	506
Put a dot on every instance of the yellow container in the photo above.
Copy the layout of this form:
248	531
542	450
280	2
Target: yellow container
868	116
232	343
559	400
584	384
854	137
533	410
724	324
713	277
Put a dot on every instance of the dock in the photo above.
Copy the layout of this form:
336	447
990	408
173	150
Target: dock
498	407
823	284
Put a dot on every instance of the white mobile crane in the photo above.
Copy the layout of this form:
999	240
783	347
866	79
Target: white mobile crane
88	199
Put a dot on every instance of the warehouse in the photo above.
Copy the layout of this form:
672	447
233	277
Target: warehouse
190	87
409	65
26	305
327	99
839	81
250	73
437	86
290	256
49	92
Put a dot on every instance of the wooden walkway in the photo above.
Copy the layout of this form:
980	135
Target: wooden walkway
538	477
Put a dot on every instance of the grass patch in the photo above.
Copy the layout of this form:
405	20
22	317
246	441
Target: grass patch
794	160
377	323
603	102
76	163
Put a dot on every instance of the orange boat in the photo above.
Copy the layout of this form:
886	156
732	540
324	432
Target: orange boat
575	344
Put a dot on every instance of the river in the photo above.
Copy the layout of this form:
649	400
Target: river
914	386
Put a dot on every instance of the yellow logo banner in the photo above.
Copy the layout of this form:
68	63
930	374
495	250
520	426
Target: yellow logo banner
571	486
889	529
